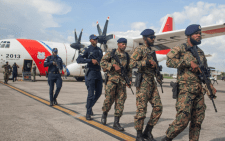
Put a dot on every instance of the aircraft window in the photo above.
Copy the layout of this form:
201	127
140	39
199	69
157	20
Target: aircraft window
7	45
8	42
4	42
2	45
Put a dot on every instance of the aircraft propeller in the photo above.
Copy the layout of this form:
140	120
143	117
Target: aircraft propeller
77	45
102	38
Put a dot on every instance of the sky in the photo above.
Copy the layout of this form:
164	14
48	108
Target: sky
55	20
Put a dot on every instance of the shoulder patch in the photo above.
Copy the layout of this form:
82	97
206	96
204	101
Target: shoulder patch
173	52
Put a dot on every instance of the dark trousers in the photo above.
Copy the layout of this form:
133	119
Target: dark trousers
94	87
215	81
14	75
54	79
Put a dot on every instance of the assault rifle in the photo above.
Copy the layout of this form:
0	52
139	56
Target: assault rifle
204	75
57	65
123	71
157	70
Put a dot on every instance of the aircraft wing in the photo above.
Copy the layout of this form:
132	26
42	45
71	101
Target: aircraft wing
168	40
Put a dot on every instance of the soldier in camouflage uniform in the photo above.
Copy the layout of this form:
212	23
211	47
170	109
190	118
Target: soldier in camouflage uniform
7	72
116	86
147	92
34	72
190	104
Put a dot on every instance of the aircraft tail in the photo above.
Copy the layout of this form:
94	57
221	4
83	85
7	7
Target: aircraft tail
168	24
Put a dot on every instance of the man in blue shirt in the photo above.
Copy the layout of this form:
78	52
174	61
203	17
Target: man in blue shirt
92	55
54	64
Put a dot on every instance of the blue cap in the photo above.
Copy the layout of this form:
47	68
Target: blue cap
93	36
55	50
191	29
122	40
147	32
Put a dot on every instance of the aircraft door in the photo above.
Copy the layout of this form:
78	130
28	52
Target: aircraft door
27	67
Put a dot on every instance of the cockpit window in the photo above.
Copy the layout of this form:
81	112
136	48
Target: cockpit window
2	45
5	44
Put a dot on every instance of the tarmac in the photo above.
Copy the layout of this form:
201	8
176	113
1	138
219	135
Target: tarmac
25	114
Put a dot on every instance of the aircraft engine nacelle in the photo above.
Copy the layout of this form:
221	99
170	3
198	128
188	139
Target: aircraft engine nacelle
76	70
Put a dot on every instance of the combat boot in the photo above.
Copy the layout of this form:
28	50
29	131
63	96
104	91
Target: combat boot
166	139
104	116
55	102
148	133
88	117
92	114
116	124
139	136
51	103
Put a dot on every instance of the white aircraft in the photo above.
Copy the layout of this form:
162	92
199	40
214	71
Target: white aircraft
24	51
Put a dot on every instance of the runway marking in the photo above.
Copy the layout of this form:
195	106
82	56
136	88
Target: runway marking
119	135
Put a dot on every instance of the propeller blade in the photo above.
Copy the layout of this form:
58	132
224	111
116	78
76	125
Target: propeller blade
105	47
75	35
77	46
105	27
99	29
74	56
80	36
108	37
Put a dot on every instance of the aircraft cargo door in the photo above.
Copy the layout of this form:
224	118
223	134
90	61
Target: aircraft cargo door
27	66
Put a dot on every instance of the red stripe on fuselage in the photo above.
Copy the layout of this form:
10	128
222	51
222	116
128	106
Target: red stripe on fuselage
163	52
214	31
33	47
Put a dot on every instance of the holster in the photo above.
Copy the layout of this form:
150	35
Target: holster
175	89
106	78
86	71
46	74
138	79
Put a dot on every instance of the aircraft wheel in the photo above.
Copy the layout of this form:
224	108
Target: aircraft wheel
79	78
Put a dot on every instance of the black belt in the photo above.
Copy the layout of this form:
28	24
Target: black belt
54	72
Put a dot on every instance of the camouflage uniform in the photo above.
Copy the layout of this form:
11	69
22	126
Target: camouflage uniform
190	104
7	72
116	86
148	89
34	72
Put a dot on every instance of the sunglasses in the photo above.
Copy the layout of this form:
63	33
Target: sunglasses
152	37
198	32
